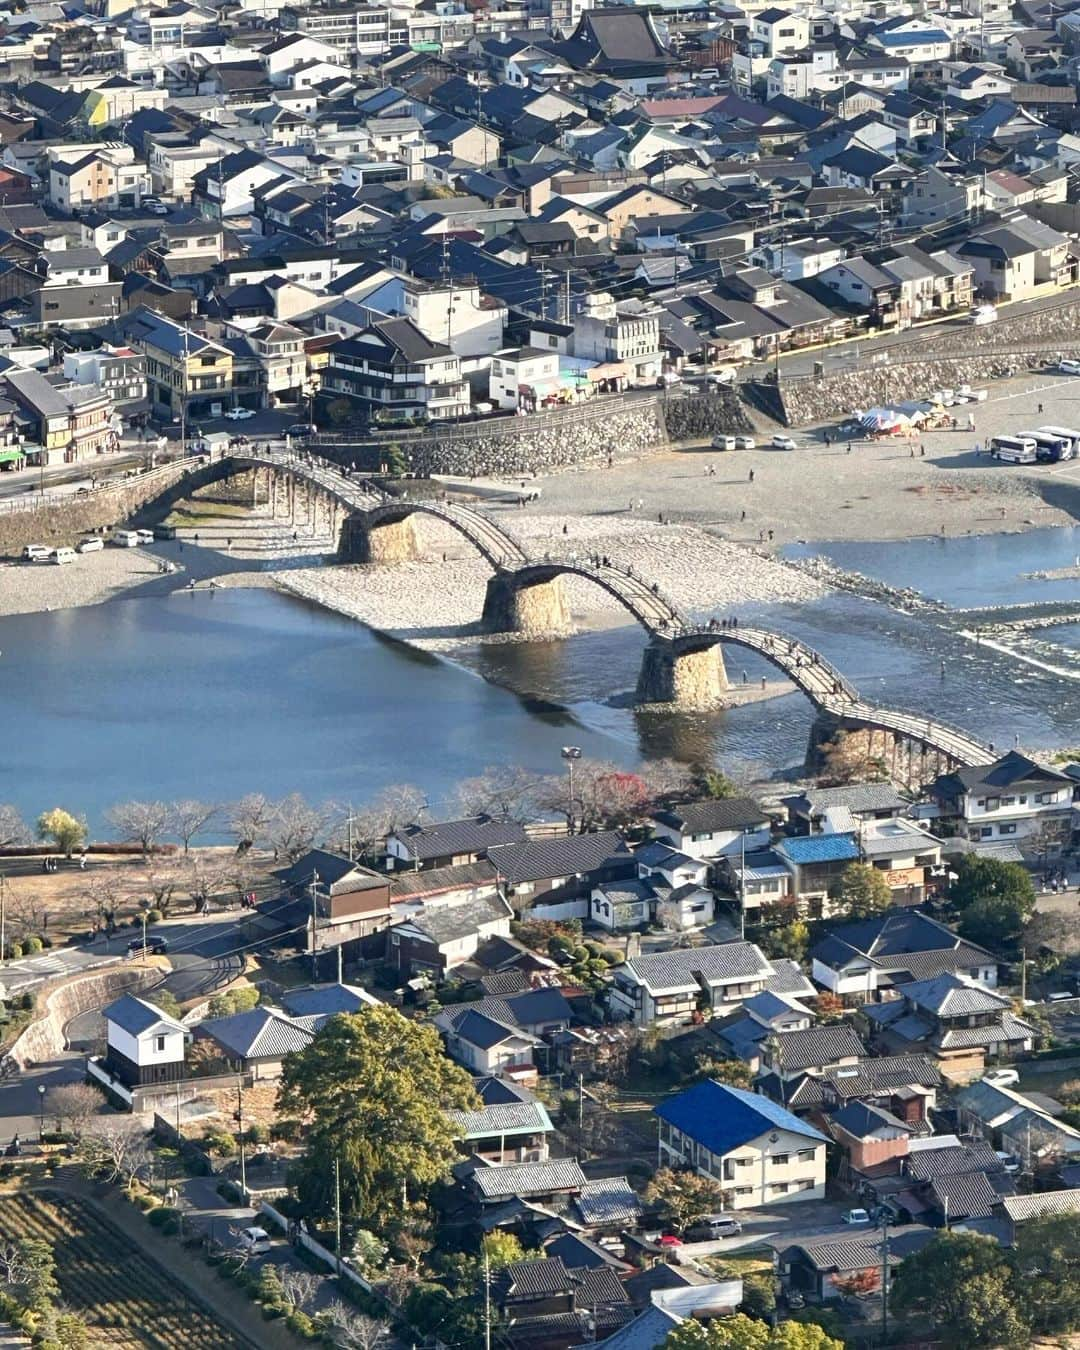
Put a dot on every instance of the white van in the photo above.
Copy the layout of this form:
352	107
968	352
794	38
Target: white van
983	314
126	538
36	553
63	555
90	545
145	536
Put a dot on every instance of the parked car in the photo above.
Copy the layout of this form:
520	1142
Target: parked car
36	553
1001	1077
783	443
855	1216
239	414
1069	367
164	531
126	538
63	555
300	429
254	1240
155	945
724	375
669	1240
744	443
155	206
711	1227
983	314
93	545
145	536
723	443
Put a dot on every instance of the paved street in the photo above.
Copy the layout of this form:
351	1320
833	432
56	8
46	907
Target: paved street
20	1098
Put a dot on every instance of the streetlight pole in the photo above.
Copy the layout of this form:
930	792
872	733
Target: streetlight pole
41	1112
243	1156
3	917
570	753
144	937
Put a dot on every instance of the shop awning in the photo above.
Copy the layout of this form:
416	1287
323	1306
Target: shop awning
6	456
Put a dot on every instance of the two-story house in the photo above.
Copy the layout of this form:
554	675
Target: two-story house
712	828
72	423
392	367
816	864
184	370
119	372
755	1149
144	1045
677	986
605	334
76	291
1014	799
448	843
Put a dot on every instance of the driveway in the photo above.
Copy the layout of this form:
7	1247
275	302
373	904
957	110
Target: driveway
20	1097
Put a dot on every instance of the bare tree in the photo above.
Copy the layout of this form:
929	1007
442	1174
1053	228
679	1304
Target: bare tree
77	1103
249	819
115	1149
351	1330
294	826
14	831
161	881
203	879
501	790
299	1286
15	1263
104	891
366	827
142	822
189	817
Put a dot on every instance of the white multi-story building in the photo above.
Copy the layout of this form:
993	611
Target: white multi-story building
1012	799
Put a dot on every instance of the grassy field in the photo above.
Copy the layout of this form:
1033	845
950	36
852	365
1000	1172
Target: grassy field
127	1299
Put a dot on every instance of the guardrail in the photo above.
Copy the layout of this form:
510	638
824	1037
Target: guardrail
38	500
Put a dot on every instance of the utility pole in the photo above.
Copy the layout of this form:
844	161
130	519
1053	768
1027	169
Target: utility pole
487	1301
742	887
243	1155
580	1102
314	890
183	396
337	1211
884	1276
1023	976
340	962
143	916
3	917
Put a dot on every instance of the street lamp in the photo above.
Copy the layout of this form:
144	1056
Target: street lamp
41	1112
570	753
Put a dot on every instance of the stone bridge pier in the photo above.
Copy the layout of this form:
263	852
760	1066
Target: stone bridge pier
870	750
386	542
529	606
690	676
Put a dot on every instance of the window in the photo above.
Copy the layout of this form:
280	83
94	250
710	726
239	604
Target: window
805	1155
1006	829
159	1044
992	803
779	1159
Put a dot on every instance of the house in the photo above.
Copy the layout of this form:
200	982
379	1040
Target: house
257	1041
959	1022
542	1302
119	372
539	1182
450	842
1014	798
617	337
510	1126
872	956
756	1150
523	377
486	1045
818	1269
816	864
869	1134
443	936
184	370
708	829
551	878
759	1020
676	986
787	1055
72	423
1013	259
335	900
808	812
1020	1209
313	1005
143	1044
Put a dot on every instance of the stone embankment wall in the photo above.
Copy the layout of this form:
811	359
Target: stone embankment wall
43	1039
942	357
66	521
697	415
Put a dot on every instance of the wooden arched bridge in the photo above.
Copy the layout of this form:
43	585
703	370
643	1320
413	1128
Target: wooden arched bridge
682	662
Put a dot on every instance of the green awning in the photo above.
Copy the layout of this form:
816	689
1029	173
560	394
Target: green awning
6	456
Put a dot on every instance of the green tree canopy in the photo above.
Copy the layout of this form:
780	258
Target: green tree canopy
981	877
684	1196
994	921
60	828
374	1089
964	1284
791	941
864	891
746	1333
1047	1258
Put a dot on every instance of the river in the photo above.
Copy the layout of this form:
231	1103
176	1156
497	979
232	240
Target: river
217	694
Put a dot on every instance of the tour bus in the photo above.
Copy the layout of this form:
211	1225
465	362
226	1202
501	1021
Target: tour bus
1049	447
1071	438
1015	449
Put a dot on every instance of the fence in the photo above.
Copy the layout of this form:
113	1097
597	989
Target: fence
35	501
305	1240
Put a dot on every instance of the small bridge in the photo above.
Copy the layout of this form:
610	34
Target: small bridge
682	662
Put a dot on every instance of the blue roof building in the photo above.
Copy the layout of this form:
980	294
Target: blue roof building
759	1152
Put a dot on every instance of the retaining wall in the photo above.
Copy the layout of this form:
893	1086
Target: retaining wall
43	1039
64	521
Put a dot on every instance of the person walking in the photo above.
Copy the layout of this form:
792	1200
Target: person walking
751	475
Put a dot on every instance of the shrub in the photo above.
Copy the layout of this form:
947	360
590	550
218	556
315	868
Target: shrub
32	945
163	1215
229	1192
288	1131
144	1202
25	1002
220	1141
301	1324
257	1134
14	951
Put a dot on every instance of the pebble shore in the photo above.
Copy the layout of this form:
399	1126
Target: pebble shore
30	588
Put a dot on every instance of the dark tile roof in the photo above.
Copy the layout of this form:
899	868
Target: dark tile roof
565	856
707	817
814	1047
448	837
951	1160
965	1197
532	1279
523	1179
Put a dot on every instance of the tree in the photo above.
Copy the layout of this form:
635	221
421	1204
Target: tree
352	1330
166	1001
397	805
503	1249
189	817
299	1287
75	1103
684	1196
505	790
961	1282
995	921
203	879
28	1271
864	892
791	941
375	1088
241	999
713	783
14	831
829	1007
978	877
394	459
1047	1258
734	1072
249	819
859	1283
745	1333
847	758
294	826
65	831
115	1149
161	881
141	822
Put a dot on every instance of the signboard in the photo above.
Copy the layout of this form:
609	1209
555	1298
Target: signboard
905	876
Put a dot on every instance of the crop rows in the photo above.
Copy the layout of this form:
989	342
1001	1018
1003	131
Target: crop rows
103	1276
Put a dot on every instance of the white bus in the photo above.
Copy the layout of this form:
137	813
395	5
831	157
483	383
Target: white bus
1020	449
1069	435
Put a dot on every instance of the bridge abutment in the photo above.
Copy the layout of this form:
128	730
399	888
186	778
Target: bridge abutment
538	608
692	678
391	541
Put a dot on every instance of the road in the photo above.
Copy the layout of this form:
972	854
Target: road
778	1228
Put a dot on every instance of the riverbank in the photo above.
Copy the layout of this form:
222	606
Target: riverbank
93	578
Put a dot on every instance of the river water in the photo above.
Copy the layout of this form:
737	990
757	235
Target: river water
217	694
